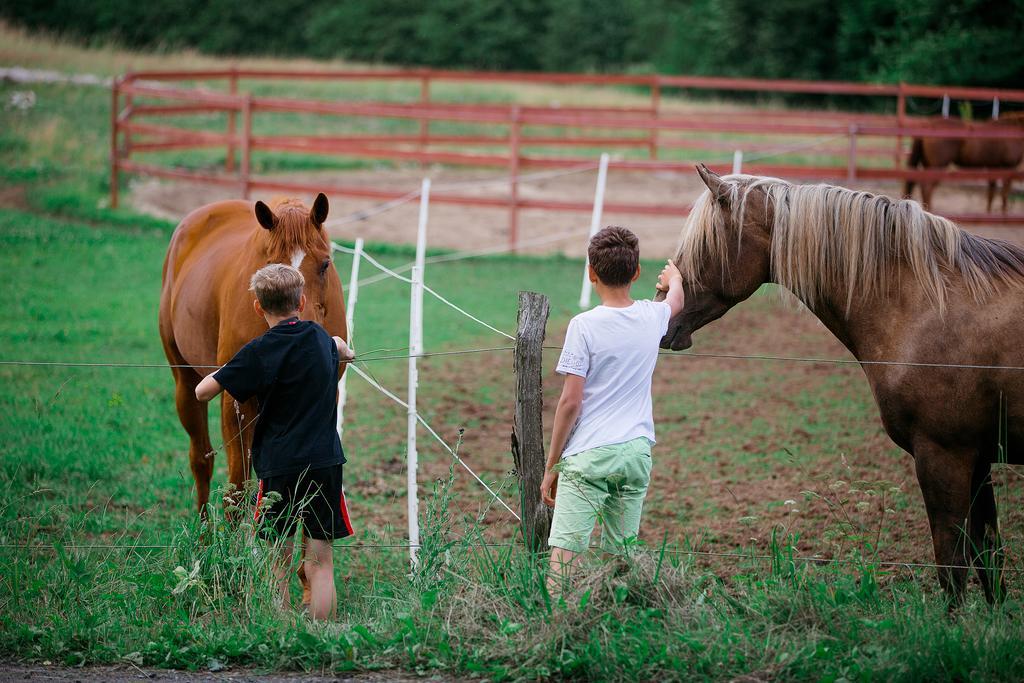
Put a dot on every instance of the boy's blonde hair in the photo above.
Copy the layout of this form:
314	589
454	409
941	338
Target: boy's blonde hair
278	288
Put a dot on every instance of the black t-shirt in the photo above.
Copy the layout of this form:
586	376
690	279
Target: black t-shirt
292	370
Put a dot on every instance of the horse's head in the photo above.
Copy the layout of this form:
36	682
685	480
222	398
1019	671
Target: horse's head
295	235
724	253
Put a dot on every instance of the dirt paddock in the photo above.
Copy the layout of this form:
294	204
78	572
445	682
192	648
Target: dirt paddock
472	228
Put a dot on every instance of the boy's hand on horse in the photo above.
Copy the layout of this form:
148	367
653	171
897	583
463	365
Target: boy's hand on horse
345	354
668	273
670	281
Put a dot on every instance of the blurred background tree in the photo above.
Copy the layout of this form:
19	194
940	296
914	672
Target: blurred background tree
970	42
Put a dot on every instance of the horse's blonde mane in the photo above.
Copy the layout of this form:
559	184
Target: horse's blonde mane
294	230
831	241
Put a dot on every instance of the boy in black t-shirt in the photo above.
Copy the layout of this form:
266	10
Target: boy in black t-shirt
292	370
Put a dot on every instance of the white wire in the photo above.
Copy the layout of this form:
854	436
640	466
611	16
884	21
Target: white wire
387	271
451	451
372	211
377	264
467	314
486	251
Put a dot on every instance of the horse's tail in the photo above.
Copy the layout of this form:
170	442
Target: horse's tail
916	159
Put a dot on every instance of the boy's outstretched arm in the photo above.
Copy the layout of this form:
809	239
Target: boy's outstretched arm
345	354
670	281
208	388
568	410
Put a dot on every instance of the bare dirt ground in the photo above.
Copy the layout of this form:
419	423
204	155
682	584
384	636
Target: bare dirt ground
471	228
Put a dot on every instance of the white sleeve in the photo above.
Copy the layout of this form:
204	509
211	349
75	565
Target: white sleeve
575	358
662	314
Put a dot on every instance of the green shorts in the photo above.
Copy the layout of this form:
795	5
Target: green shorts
607	483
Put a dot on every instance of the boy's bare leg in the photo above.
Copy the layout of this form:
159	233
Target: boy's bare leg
282	573
562	564
318	560
303	581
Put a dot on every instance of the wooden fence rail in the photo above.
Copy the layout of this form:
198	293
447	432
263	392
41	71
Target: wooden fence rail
871	146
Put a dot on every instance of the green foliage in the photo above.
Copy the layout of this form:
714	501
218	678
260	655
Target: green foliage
969	42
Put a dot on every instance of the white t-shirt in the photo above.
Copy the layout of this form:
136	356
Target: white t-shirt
615	350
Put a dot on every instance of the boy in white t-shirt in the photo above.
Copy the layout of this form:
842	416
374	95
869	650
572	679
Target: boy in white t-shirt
604	427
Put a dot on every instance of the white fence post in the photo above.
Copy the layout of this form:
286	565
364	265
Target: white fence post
350	312
737	162
415	349
595	225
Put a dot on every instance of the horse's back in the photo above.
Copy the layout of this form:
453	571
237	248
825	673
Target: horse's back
204	227
205	250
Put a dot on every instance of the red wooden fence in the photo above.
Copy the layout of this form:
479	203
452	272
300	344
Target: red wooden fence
855	136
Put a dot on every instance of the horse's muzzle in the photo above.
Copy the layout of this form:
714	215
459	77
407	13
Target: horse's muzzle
677	339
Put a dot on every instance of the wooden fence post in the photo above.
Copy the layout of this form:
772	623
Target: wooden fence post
901	121
115	92
528	426
514	134
424	122
652	140
229	155
851	155
246	171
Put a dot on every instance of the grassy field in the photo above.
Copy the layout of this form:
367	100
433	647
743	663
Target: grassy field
771	463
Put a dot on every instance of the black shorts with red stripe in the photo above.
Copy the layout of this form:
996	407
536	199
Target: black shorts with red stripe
314	497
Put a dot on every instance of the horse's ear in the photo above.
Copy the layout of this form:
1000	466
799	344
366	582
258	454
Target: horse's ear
711	179
319	212
719	188
265	216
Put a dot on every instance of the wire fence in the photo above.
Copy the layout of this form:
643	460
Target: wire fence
386	272
492	349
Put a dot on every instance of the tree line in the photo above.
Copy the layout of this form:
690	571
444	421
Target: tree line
963	42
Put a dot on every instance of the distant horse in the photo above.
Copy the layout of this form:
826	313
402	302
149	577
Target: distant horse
991	153
892	283
206	312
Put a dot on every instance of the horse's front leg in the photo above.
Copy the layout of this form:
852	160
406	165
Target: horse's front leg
238	421
927	189
986	545
945	479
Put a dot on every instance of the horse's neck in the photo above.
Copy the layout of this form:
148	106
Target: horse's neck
871	328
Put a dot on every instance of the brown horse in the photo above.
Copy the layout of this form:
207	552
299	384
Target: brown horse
206	312
893	283
990	153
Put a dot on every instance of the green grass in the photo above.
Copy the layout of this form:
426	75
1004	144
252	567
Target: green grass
95	457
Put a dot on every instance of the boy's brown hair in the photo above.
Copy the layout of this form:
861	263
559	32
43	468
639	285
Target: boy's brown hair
278	288
614	254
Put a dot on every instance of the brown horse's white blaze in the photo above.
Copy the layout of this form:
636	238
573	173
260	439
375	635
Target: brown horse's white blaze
893	283
206	312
